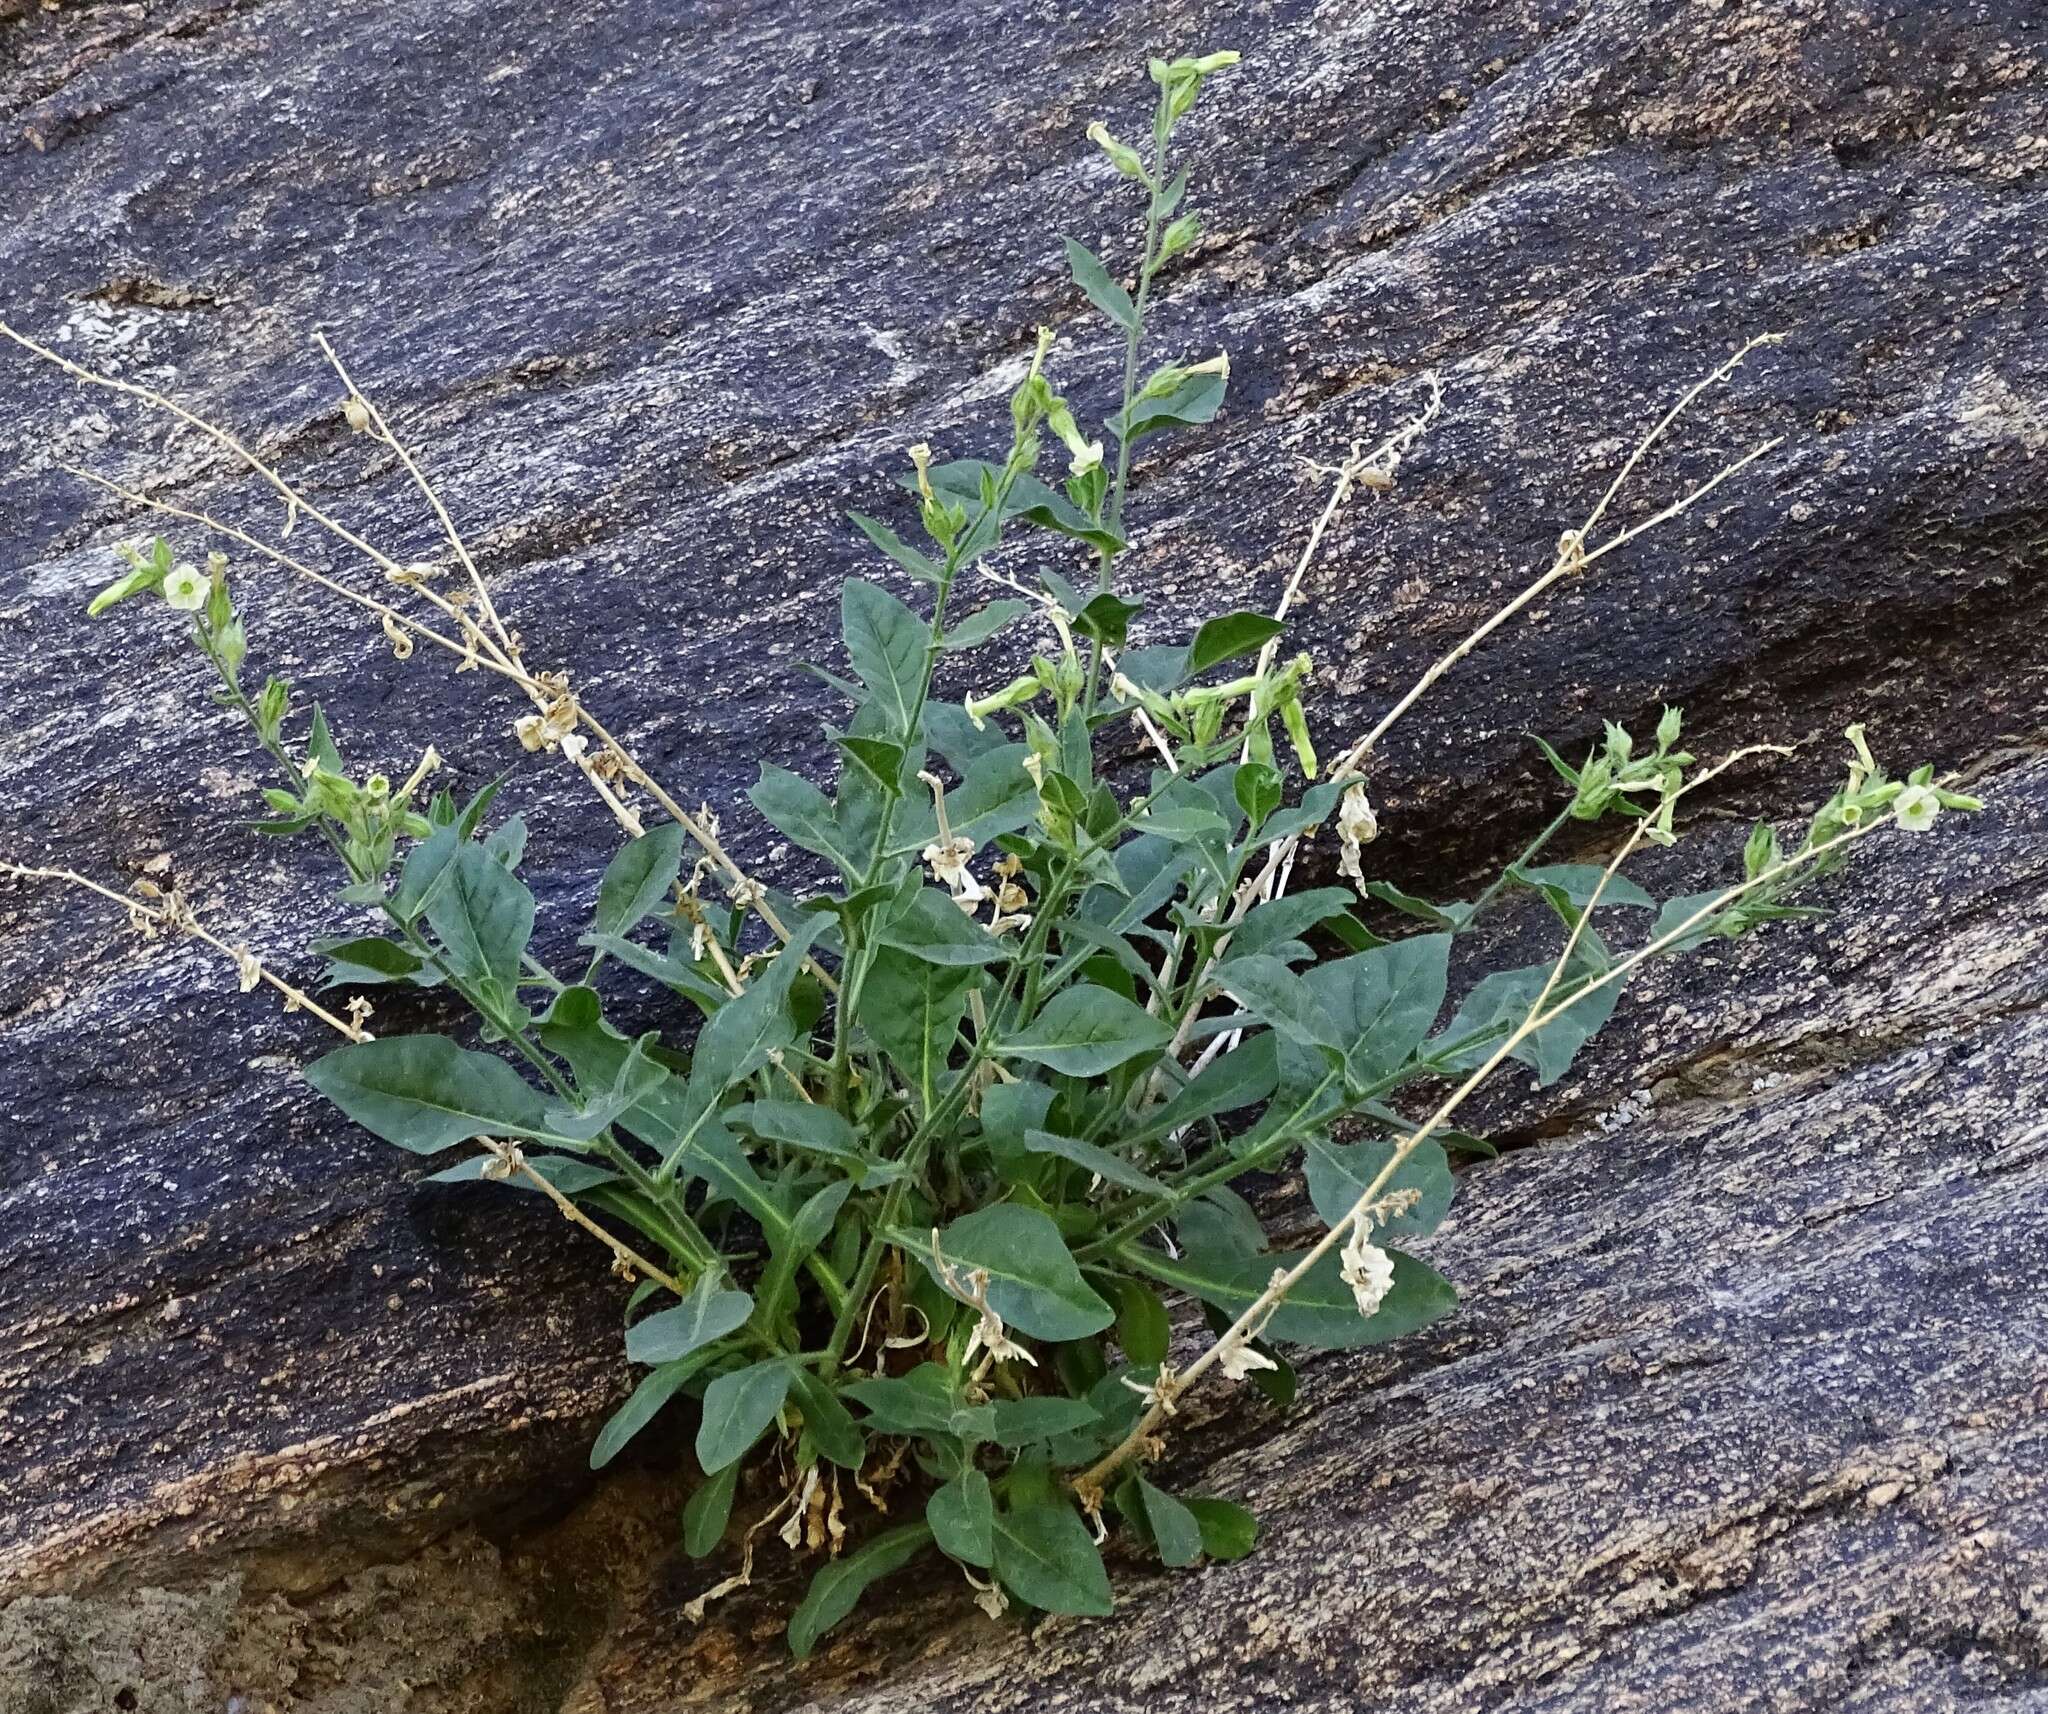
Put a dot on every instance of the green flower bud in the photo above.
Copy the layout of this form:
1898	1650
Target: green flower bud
138	582
1179	236
1761	852
329	794
1015	694
1295	720
1167	379
1122	156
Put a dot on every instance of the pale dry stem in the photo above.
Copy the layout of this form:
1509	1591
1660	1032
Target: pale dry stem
1537	1018
1573	558
177	915
181	918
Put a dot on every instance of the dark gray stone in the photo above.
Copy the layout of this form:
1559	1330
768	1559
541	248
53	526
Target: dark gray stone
660	291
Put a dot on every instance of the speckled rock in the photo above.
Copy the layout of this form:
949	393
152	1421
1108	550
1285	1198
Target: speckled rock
661	291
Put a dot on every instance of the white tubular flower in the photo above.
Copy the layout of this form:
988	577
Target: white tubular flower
1368	1271
185	588
972	1289
947	860
792	1531
990	1334
1357	826
1160	1393
1239	1360
1916	807
989	1596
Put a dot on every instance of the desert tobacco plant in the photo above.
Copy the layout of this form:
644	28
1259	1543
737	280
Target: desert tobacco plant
934	1145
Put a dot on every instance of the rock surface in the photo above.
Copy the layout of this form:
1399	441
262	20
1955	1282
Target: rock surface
1746	1403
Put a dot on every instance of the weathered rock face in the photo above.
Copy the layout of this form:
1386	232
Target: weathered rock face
1746	1401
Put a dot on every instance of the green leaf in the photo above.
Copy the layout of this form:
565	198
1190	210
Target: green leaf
802	813
742	1034
1274	926
956	738
482	914
1228	636
887	644
1160	667
1142	1326
637	880
839	1585
1112	1169
1437	916
1340	1173
1246	1074
931	927
1221	1221
425	868
639	1079
1228	1531
1087	1030
507	844
962	1516
1384	1002
914	1010
1576	883
738	1407
1033	1282
1257	790
1175	1530
320	747
1030	499
1321	1310
369	958
829	1424
878	758
1022	1422
426	1094
995	796
709	1313
807	1125
920	1402
655	1390
1047	1558
1107	618
1499	1004
977	628
707	1511
1316	806
1184	822
919	567
1103	292
1195	400
1276	996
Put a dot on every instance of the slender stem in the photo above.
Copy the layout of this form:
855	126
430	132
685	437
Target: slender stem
1539	1015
